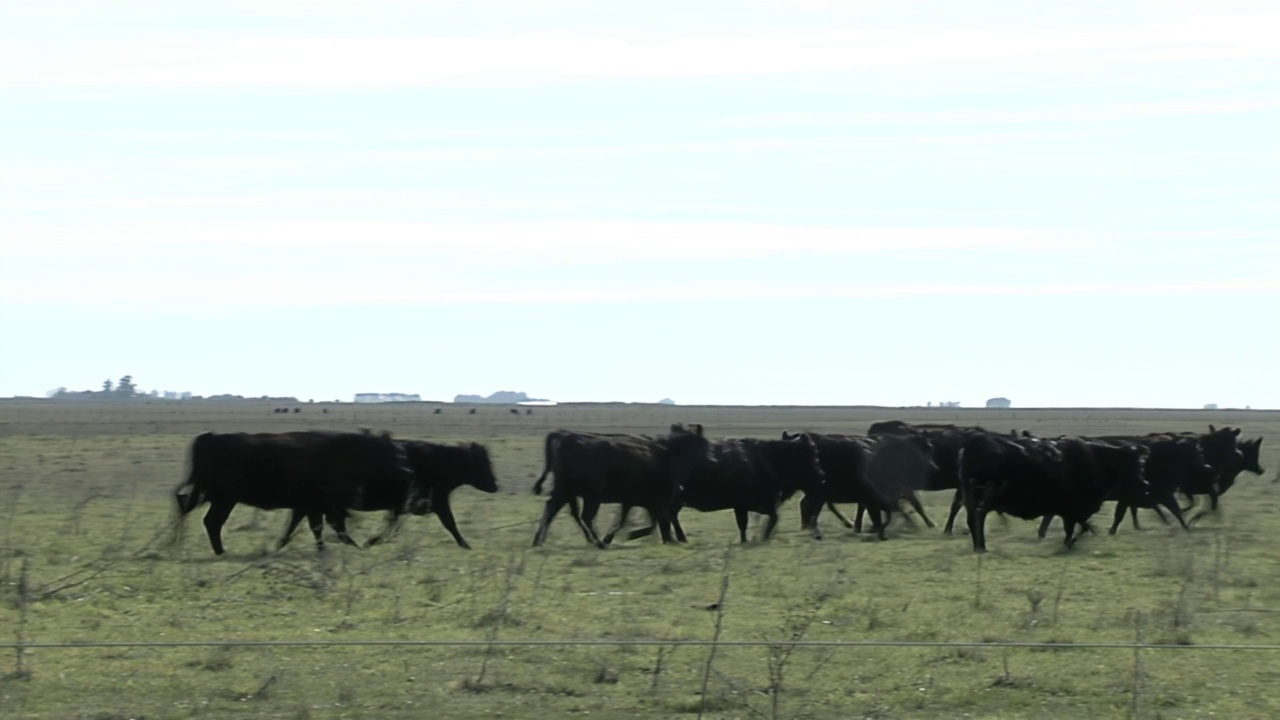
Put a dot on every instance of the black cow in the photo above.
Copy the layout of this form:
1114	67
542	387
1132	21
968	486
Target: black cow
515	411
1123	468
551	443
437	411
439	470
748	475
1173	462
297	410
847	463
472	412
946	441
1031	478
319	474
634	470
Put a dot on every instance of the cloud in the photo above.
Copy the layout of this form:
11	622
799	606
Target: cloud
178	296
620	239
1107	112
565	56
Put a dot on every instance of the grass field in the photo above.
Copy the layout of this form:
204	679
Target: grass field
85	502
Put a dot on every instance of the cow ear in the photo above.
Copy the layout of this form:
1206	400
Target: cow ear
1236	432
386	434
1211	430
697	429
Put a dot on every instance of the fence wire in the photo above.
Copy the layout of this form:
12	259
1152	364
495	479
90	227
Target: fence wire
634	643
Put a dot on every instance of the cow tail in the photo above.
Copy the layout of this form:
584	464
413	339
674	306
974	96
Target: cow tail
188	496
546	468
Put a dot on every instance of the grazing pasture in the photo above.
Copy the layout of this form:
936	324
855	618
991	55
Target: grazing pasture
86	558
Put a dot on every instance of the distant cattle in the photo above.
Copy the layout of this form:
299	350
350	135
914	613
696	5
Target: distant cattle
514	411
297	410
437	411
748	475
319	474
472	411
630	470
1034	478
528	411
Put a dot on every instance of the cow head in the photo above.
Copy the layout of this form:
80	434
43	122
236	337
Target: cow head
479	474
803	469
1222	452
1251	451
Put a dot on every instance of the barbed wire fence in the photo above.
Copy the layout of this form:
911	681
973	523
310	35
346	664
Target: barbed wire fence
29	592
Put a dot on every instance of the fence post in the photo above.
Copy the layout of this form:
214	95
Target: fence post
21	671
1136	692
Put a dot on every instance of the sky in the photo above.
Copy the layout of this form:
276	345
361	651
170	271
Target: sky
1066	203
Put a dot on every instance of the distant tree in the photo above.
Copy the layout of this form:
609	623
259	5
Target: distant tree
126	388
57	393
106	385
154	393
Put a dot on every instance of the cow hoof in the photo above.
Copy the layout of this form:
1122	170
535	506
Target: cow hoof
464	545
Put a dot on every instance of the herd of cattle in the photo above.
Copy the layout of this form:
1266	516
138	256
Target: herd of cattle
324	475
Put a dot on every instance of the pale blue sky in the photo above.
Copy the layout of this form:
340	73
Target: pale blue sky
778	202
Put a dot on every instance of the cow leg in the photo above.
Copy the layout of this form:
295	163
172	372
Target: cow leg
445	513
675	526
771	524
956	501
1159	514
1213	507
662	516
1070	526
880	519
1121	507
914	500
214	519
315	520
977	529
740	514
1044	526
295	519
554	503
856	525
621	522
586	519
1133	512
389	528
338	521
810	508
1172	503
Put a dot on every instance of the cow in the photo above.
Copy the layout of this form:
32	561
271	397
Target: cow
297	410
855	475
515	411
318	474
1173	462
630	470
946	441
1220	461
1031	478
437	411
472	411
1123	468
528	411
552	441
438	470
748	475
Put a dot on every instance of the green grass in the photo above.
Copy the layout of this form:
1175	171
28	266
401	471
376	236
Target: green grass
84	502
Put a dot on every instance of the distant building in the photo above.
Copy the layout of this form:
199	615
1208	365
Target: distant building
386	397
999	402
1211	406
666	401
